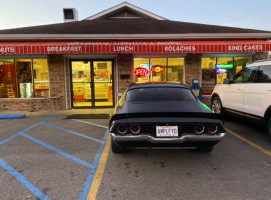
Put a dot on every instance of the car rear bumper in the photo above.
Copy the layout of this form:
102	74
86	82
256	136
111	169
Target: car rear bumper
182	139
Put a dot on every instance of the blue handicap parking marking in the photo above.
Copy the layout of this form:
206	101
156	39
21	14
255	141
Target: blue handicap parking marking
30	127
84	163
23	180
92	167
10	138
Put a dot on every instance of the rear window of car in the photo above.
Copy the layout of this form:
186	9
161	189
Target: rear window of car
160	94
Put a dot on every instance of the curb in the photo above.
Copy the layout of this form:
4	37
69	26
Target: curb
12	116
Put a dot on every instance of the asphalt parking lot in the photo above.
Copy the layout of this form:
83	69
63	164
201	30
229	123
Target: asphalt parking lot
50	157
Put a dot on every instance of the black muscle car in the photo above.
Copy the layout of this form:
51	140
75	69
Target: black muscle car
163	115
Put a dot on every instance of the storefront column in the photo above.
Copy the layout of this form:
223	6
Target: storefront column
57	81
192	68
68	83
125	64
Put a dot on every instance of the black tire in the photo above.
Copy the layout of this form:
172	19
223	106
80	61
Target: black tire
205	148
269	128
116	148
216	105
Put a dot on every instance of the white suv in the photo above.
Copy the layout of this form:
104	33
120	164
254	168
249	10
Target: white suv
248	93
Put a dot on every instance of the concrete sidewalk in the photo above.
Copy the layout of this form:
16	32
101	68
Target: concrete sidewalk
60	112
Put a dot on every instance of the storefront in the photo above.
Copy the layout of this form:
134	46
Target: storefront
216	68
57	71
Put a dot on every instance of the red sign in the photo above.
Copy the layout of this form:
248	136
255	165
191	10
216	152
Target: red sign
167	47
104	73
141	72
157	69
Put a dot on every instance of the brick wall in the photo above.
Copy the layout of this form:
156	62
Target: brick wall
260	56
207	100
192	68
56	79
30	104
125	66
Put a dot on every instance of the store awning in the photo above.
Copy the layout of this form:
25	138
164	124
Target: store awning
141	47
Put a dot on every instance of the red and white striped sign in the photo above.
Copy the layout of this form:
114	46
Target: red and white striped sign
166	47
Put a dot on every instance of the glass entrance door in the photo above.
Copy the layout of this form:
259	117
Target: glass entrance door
103	83
81	83
92	83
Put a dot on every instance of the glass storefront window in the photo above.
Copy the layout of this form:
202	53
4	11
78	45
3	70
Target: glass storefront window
175	69
142	63
8	88
240	63
224	69
24	77
215	70
41	82
18	78
208	75
168	69
158	76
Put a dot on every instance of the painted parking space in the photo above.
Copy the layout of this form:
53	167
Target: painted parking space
50	160
234	170
10	127
72	126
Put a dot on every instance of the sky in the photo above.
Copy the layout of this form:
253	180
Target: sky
236	13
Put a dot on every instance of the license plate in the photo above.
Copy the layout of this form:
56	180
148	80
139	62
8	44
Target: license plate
167	131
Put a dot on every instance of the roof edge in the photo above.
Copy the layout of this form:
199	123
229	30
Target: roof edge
131	6
9	37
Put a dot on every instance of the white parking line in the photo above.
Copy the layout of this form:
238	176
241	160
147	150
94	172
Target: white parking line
91	123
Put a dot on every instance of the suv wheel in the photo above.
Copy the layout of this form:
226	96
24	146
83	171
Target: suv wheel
216	105
269	128
116	148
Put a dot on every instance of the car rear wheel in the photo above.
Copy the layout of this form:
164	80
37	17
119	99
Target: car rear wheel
116	148
217	105
269	128
205	148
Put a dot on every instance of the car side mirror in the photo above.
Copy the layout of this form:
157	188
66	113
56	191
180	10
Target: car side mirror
226	81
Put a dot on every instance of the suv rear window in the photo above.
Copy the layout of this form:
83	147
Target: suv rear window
160	94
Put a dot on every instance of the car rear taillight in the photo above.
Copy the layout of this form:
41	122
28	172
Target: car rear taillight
122	128
199	128
212	128
135	128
